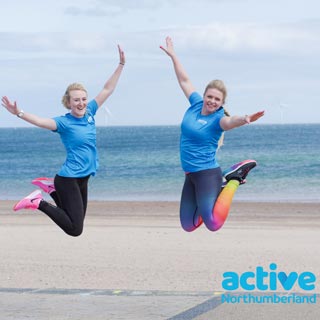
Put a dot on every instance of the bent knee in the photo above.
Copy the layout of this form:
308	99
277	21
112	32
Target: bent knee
188	227
212	226
74	232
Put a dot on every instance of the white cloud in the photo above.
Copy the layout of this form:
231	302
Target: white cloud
266	53
32	44
111	8
300	38
252	39
97	11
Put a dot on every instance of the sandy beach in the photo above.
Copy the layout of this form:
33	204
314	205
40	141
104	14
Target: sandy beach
141	246
133	261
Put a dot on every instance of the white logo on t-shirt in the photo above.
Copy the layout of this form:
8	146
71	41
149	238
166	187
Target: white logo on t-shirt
202	121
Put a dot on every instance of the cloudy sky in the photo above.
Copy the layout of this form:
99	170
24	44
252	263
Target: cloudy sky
267	52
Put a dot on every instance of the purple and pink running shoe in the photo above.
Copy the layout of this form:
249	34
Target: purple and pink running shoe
239	171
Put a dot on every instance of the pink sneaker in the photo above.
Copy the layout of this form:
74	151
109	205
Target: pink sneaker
46	184
31	201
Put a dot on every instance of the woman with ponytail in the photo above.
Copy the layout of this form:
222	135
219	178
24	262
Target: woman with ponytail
203	199
77	130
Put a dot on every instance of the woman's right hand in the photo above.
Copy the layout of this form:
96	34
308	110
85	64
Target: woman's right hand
169	47
11	107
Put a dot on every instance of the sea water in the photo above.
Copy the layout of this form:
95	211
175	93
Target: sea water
142	162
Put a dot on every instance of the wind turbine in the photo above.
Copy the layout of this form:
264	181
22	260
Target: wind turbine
107	114
282	106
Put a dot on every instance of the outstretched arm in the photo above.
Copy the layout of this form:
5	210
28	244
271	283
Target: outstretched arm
183	79
45	123
228	123
110	85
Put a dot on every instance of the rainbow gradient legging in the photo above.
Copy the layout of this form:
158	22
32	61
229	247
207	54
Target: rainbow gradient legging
202	200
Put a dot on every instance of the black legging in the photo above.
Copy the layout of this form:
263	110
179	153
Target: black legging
71	198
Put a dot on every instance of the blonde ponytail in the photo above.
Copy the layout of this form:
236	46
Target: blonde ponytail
220	142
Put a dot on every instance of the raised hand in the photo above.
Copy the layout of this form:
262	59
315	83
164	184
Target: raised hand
121	56
169	50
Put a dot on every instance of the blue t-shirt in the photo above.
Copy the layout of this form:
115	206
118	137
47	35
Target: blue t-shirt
199	136
79	138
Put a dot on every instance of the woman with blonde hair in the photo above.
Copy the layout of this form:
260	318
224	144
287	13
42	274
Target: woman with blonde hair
77	131
202	127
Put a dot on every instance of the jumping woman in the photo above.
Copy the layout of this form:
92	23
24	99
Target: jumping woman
77	131
203	199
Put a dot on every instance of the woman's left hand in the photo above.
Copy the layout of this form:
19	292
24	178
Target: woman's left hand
254	117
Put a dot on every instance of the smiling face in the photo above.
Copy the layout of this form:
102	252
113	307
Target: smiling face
213	99
77	103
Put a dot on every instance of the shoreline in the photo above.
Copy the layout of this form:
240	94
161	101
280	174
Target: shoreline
278	214
131	206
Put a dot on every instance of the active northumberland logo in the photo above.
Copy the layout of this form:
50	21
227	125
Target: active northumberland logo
264	282
275	298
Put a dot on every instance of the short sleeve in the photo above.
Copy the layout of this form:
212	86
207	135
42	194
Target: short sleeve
61	123
92	107
195	98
